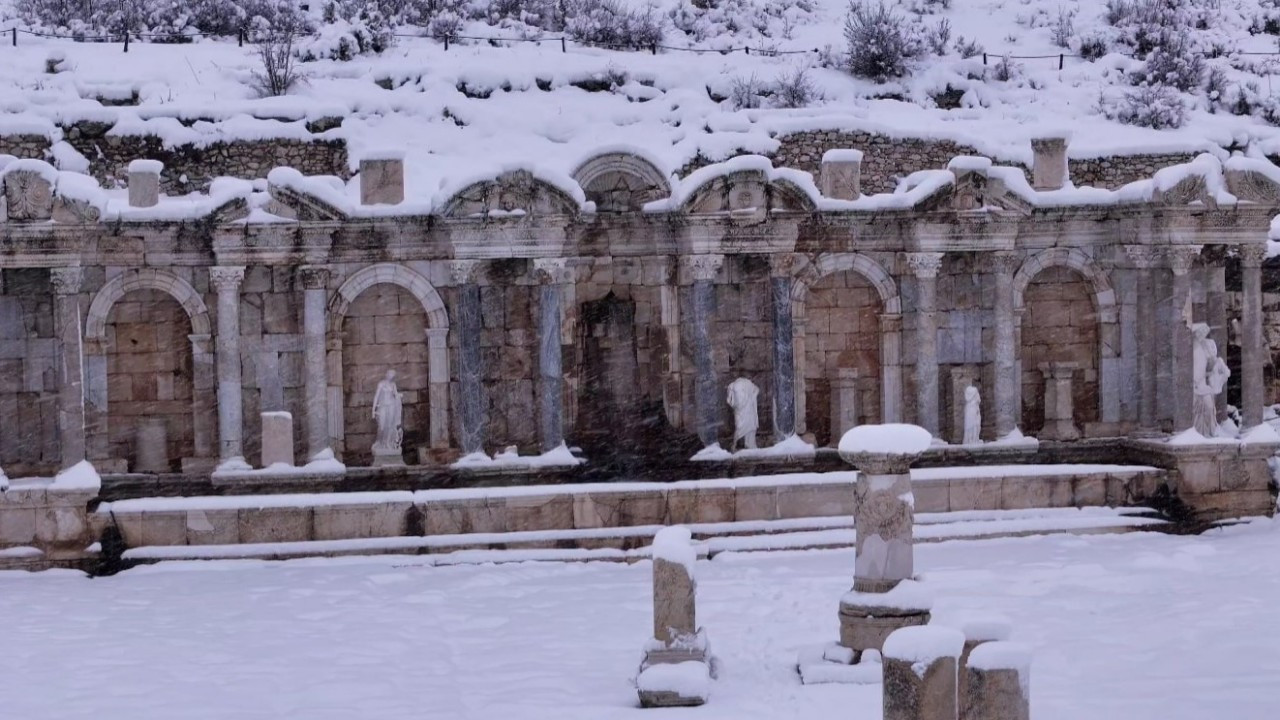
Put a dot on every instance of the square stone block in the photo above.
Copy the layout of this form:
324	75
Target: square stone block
345	522
1024	493
755	503
1089	490
619	509
1198	476
974	494
687	506
17	526
817	500
931	496
267	525
471	515
62	526
164	528
539	512
213	527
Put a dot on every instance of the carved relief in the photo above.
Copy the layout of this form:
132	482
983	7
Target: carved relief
29	196
512	193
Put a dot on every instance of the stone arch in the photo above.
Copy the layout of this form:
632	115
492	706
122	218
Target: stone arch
1106	332
435	337
890	327
621	181
97	349
511	191
745	189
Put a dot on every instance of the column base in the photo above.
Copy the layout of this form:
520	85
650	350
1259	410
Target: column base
676	675
865	627
198	465
388	458
1060	431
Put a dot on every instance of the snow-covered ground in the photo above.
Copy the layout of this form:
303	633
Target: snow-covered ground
1124	627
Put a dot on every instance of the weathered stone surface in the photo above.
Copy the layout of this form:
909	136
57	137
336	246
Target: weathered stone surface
382	181
996	683
277	439
920	673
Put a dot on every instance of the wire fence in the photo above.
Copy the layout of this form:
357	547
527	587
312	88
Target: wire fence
563	41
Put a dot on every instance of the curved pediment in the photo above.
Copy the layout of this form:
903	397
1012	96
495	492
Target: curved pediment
621	182
746	192
514	193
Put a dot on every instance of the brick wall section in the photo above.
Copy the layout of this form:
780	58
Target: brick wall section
1060	324
842	330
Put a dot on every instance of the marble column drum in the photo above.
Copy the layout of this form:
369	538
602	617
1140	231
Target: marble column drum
1252	351
226	280
470	373
784	359
70	363
925	267
1006	389
315	382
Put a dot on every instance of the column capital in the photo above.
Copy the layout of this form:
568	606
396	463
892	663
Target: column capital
1182	257
463	271
314	278
890	322
553	271
924	264
1143	256
783	264
1252	255
1004	262
226	277
66	280
703	267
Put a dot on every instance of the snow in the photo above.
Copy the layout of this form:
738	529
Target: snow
323	463
557	457
969	163
906	595
152	167
846	155
1001	655
1191	437
987	628
888	439
791	446
81	476
340	638
690	679
4	480
923	644
673	545
1262	433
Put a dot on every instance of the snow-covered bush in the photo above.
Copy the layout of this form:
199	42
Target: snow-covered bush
881	44
1093	47
968	48
707	20
445	24
1158	107
279	72
939	36
609	23
90	18
1173	63
795	90
352	28
1064	28
747	93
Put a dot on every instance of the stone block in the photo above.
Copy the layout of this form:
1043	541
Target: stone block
269	525
920	673
755	503
974	494
931	496
17	525
63	525
818	500
213	527
539	512
1089	490
144	183
996	683
152	446
470	515
164	528
277	439
687	506
619	509
344	522
382	179
1024	493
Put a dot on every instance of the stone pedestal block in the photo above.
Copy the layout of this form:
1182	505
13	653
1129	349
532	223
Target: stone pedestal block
978	632
676	670
382	179
865	624
1049	164
152	446
996	683
844	403
920	673
841	174
387	458
277	438
144	183
1059	409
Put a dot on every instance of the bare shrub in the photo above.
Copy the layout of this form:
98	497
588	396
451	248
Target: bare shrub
747	93
939	36
881	44
1064	28
279	72
795	90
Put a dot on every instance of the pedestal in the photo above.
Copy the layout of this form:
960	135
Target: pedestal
277	439
844	403
151	446
388	458
1059	408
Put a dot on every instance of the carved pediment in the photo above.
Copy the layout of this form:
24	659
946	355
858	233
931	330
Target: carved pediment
621	182
1186	191
511	193
297	205
73	211
747	195
28	196
1253	186
975	192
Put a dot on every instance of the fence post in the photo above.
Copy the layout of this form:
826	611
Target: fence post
240	37
1062	59
564	47
446	43
654	48
126	41
15	37
984	59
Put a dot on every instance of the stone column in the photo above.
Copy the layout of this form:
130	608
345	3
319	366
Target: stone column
891	367
226	280
553	275
844	403
1215	279
925	266
315	298
1007	412
1145	260
677	638
920	673
1181	259
70	363
976	633
470	373
1252	342
1059	405
702	272
204	392
996	682
784	358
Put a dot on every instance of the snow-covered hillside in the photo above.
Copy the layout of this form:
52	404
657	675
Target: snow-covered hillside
479	106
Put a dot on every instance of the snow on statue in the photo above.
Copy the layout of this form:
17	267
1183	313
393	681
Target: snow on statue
1210	376
972	416
742	398
387	410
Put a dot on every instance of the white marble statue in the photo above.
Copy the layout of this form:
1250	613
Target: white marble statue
972	416
1210	375
746	420
387	411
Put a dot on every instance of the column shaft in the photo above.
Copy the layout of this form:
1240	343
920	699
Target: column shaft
1006	390
784	360
925	266
1252	360
550	373
1148	365
705	381
1182	371
316	382
70	362
230	408
471	397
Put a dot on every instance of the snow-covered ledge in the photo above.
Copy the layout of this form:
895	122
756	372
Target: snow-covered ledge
48	517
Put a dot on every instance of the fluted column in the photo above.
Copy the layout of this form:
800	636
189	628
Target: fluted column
1005	264
784	359
226	280
470	373
925	266
1252	357
553	274
315	283
1145	260
70	363
702	271
1181	259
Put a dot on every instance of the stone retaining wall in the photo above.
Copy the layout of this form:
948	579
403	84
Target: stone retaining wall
33	147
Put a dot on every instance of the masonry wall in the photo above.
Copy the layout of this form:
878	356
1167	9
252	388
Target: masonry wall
28	381
270	351
841	330
1060	325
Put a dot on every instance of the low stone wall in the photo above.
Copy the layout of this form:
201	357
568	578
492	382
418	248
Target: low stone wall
1114	172
33	147
52	522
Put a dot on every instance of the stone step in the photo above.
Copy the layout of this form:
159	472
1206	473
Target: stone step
629	544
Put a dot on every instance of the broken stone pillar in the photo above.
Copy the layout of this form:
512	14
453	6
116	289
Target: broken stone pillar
382	178
277	439
844	403
676	670
920	673
1059	409
152	445
1049	164
977	632
144	183
841	174
884	598
997	683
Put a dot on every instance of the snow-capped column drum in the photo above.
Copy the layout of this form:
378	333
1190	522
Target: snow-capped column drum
920	673
676	670
702	271
925	267
996	682
226	280
315	383
70	363
470	389
1252	357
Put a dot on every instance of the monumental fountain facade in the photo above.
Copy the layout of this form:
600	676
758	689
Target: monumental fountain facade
613	313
